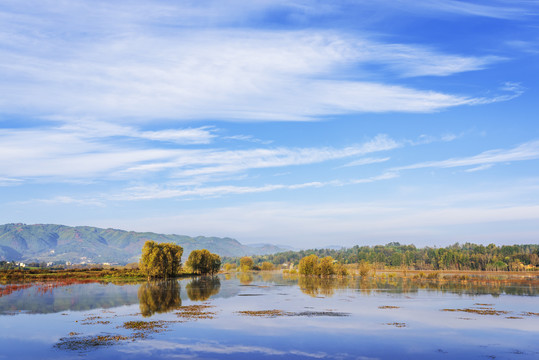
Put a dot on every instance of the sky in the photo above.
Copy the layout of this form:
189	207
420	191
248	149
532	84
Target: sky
303	123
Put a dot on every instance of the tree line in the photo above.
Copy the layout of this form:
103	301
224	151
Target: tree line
467	256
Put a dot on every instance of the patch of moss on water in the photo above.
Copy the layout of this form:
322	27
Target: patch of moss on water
480	311
145	326
81	343
397	324
195	312
263	313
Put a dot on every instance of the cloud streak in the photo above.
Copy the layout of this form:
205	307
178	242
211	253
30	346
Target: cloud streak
144	71
85	152
522	152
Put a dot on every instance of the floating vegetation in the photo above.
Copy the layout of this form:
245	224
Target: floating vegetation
263	313
102	322
320	313
514	317
145	326
479	304
195	312
481	311
529	313
88	342
388	307
397	324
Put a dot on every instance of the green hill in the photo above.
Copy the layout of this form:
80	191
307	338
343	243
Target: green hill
86	244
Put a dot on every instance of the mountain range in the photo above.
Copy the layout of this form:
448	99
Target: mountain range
86	244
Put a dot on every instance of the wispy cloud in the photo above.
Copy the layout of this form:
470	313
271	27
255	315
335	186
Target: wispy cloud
522	152
366	161
4	181
151	192
213	162
99	129
76	152
499	9
127	67
480	168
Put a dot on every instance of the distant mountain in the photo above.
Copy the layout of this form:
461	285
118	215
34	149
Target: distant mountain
85	244
271	248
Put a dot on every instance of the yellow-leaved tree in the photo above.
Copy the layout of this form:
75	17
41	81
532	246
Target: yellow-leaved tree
161	260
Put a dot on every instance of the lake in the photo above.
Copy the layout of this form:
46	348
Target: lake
273	316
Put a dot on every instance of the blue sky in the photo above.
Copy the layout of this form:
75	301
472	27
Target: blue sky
305	123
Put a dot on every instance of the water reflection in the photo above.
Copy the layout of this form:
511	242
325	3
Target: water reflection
245	278
159	297
201	289
314	286
63	295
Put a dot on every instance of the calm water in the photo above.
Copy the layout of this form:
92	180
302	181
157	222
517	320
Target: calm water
386	318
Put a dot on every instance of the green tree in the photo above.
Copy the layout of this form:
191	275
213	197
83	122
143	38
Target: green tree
204	262
161	260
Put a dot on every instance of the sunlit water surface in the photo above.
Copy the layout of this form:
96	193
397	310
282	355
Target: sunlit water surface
261	316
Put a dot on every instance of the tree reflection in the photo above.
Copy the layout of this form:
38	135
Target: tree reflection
315	286
159	297
245	278
203	288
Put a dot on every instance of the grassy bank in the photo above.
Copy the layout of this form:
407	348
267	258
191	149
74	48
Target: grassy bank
124	275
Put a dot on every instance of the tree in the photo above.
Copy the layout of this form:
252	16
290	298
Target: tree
246	263
325	267
308	265
204	262
267	266
161	260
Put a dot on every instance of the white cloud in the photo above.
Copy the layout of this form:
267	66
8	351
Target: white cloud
479	168
366	161
76	152
151	192
130	68
522	152
4	181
